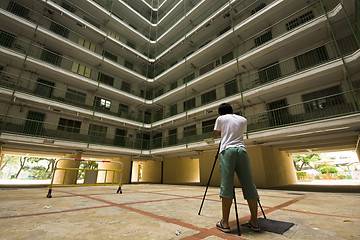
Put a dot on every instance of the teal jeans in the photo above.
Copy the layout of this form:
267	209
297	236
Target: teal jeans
232	160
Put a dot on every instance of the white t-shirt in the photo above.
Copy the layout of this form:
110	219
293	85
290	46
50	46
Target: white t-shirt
232	128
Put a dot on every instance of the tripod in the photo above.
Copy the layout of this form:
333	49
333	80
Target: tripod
207	186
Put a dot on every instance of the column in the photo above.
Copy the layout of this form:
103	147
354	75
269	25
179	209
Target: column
68	177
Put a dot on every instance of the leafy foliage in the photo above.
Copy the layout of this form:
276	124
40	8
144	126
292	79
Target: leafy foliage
304	160
322	168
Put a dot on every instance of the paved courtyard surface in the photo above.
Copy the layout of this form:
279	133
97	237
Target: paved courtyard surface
155	211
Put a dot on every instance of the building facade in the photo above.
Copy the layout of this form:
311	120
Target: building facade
140	81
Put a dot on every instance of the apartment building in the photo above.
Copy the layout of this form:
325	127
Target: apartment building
140	81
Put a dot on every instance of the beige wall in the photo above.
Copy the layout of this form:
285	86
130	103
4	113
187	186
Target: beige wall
126	161
151	171
181	170
206	163
277	168
67	176
358	146
270	167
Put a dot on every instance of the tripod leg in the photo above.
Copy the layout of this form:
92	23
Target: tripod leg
261	208
236	213
207	186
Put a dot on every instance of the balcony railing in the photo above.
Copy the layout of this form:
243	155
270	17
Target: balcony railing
302	62
49	130
47	89
280	28
310	59
327	107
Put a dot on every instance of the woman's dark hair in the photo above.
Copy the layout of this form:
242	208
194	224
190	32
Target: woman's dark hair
225	108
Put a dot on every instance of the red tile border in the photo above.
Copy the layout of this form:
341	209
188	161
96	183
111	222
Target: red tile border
202	232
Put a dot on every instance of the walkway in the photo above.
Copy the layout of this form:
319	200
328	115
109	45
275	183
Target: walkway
151	211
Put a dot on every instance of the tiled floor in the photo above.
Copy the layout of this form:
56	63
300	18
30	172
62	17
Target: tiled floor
151	211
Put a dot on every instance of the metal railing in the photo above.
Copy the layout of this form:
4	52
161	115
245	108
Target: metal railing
327	107
302	62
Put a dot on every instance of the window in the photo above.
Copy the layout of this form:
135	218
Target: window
188	78
68	7
68	125
204	44
92	22
208	126
123	110
263	38
224	30
51	57
173	136
130	44
322	99
227	57
111	34
6	39
128	65
147	117
173	85
147	94
120	137
101	103
97	130
208	97
86	44
173	109
110	56
81	69
126	86
75	96
231	88
300	20
157	139
206	69
17	9
190	131
278	112
60	30
44	88
258	8
191	52
189	104
34	123
145	138
159	115
159	92
269	73
106	79
311	58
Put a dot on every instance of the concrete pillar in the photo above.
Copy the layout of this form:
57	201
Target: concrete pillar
109	177
1	153
358	147
270	167
68	176
206	162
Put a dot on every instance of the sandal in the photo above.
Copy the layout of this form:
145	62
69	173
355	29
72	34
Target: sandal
255	229
222	228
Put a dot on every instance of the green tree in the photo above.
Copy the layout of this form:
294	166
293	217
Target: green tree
322	168
39	171
304	160
22	165
9	160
